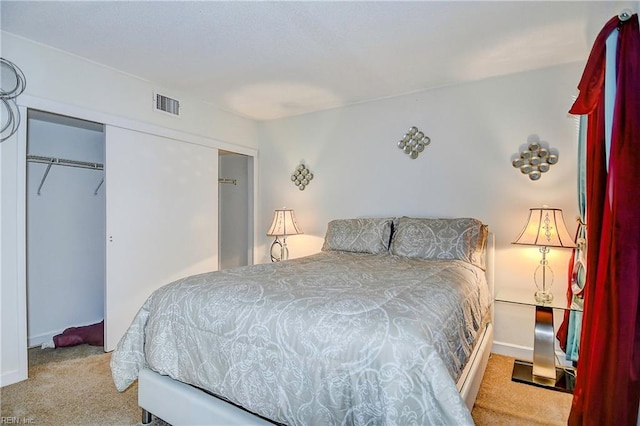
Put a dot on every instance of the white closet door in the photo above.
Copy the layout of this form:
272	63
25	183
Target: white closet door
162	214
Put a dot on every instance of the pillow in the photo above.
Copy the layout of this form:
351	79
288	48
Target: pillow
460	238
366	235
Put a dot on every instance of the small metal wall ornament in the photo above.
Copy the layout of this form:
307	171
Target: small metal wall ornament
413	142
13	84
535	159
301	176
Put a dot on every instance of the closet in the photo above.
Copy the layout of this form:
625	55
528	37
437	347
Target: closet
65	223
235	209
86	249
113	213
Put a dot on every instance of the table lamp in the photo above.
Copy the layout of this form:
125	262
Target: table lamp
545	228
284	224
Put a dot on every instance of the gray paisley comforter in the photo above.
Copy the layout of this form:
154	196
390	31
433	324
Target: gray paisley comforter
333	338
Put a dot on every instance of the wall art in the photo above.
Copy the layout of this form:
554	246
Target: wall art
413	142
301	176
535	159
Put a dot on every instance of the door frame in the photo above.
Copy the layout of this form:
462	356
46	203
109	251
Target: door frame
18	268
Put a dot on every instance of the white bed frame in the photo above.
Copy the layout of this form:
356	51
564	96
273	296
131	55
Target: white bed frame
180	404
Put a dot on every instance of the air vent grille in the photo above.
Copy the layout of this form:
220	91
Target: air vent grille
166	104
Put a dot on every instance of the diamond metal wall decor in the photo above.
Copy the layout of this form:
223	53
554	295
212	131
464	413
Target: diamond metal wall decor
301	176
535	160
413	142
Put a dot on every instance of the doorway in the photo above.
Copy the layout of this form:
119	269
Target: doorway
65	223
235	226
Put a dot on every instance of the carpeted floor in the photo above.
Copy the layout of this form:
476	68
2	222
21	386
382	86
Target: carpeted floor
502	402
69	386
72	386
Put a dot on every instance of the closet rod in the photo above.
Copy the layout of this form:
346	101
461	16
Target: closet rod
64	162
226	180
50	161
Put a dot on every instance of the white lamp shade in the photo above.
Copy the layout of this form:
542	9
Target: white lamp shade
545	228
284	223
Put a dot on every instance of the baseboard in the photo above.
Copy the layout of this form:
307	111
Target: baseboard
524	353
515	351
11	377
37	341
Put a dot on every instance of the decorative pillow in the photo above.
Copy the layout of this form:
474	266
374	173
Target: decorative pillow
460	238
367	235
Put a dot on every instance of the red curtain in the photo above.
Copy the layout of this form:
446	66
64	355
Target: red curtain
607	388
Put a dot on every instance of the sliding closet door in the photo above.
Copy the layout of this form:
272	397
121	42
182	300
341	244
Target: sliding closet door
162	198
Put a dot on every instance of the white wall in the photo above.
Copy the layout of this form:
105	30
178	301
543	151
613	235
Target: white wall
65	229
13	298
475	128
66	78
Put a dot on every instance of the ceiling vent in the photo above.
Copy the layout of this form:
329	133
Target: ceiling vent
166	104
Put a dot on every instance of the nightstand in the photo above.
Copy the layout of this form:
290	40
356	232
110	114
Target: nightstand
542	371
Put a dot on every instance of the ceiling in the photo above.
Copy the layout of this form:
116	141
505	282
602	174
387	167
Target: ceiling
266	60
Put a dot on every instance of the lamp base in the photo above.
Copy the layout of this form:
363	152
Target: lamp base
523	373
279	250
543	296
543	277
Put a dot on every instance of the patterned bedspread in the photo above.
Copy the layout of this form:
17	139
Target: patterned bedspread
332	338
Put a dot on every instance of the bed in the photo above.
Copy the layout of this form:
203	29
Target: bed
391	323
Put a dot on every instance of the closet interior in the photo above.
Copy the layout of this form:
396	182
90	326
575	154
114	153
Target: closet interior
235	209
65	224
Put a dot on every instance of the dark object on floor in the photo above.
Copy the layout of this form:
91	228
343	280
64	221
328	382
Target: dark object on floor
90	334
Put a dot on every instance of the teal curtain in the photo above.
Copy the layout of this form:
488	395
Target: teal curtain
578	269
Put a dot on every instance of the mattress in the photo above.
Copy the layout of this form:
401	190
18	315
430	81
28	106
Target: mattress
333	338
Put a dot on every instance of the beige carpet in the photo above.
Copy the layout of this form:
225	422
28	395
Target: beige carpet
73	386
501	401
69	386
